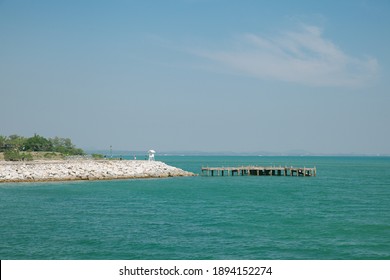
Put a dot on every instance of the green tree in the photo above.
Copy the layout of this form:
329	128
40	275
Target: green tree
65	146
16	142
3	143
78	151
38	143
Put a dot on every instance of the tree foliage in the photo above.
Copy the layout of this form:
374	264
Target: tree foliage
65	146
13	145
38	144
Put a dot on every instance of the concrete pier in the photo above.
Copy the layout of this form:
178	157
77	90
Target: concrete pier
259	171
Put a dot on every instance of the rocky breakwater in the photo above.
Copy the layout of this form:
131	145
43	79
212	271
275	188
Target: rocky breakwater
86	170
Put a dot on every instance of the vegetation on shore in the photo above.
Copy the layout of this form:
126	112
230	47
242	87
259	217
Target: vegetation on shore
16	148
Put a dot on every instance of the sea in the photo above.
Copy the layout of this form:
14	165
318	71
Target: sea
341	214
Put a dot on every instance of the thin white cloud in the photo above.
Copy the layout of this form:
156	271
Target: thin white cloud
303	57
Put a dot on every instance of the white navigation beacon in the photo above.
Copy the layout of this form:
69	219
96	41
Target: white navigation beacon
151	155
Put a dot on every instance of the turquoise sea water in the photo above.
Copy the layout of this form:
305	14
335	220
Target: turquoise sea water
343	213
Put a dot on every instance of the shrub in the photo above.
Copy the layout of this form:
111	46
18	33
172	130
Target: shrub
12	155
97	156
26	156
15	155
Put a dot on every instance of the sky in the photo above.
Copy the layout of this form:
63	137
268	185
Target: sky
198	75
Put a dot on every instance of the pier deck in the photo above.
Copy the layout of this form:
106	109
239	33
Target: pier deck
259	171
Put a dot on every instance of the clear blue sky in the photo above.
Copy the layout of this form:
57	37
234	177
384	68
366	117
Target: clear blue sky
206	75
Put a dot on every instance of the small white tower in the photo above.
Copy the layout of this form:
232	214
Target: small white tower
151	155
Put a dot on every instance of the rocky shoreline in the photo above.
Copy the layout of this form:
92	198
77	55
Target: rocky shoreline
70	170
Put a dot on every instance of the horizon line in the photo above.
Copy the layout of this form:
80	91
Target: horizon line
120	152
